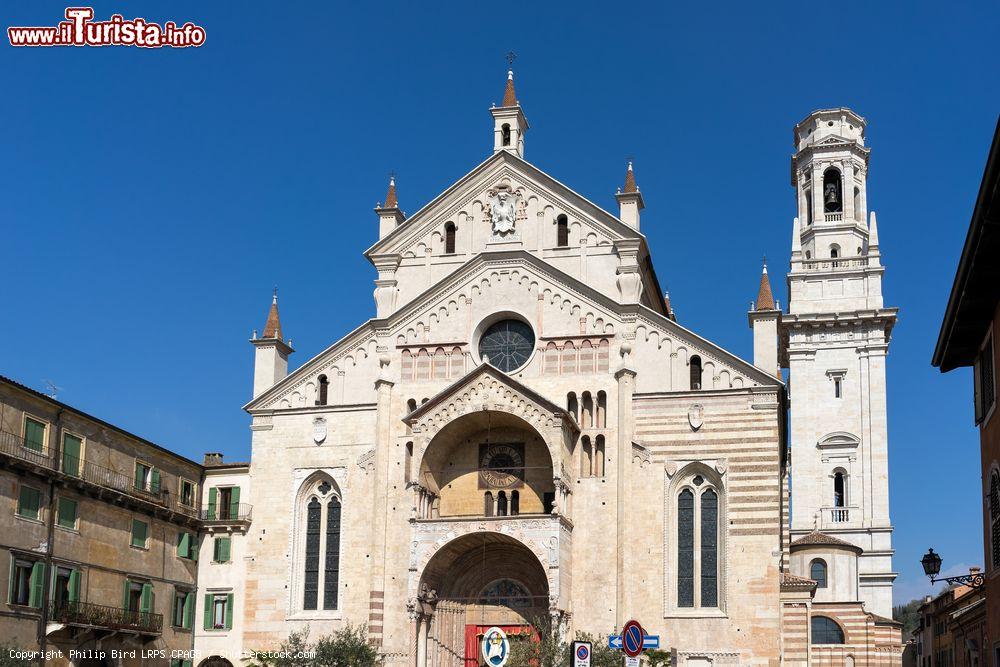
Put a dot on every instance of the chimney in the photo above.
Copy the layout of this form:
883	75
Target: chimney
212	459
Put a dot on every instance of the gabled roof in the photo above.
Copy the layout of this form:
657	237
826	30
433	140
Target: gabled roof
491	371
542	268
818	539
413	226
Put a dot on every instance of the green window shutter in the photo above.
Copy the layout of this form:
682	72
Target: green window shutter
188	610
10	582
67	513
125	594
183	545
146	600
139	533
229	611
74	586
140	474
234	503
186	663
28	503
175	662
154	484
72	447
216	543
194	548
224	549
37	585
213	499
208	612
34	434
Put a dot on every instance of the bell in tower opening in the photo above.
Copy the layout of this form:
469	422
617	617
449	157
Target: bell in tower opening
832	199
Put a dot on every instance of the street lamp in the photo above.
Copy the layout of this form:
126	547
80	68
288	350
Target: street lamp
932	567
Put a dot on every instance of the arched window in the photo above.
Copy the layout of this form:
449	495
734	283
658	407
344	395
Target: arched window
318	526
488	504
809	207
324	387
515	503
587	412
859	215
602	409
586	457
505	134
571	405
562	231
502	504
569	358
834	251
587	357
406	365
551	359
839	489
457	362
699	542
808	255
995	517
695	373
599	456
817	572
440	364
449	238
408	463
826	631
833	200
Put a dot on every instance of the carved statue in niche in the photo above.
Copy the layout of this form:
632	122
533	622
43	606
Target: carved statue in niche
503	210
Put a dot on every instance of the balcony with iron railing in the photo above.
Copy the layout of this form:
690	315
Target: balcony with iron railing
74	469
87	615
228	513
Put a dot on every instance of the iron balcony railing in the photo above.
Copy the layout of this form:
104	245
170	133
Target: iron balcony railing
227	512
101	616
72	466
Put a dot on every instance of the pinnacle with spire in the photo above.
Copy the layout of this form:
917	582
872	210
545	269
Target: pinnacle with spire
765	298
630	185
272	328
390	196
509	97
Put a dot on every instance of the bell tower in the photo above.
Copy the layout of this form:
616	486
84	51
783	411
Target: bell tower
834	341
509	123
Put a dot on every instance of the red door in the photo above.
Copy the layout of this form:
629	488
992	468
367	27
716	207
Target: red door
474	635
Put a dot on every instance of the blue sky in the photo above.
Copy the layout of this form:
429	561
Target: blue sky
153	198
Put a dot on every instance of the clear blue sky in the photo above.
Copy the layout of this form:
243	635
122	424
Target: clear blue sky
153	198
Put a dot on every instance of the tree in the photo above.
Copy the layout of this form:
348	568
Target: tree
347	647
551	650
909	615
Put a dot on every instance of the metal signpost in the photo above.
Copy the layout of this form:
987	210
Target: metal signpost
632	642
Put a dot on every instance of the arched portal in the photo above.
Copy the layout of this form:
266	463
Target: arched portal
470	584
484	457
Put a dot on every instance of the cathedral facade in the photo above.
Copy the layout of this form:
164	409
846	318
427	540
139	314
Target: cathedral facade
525	436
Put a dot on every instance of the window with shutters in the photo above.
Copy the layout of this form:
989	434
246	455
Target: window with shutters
699	543
219	605
29	503
147	478
139	535
187	492
318	525
66	513
183	610
995	517
65	586
26	582
34	434
984	376
221	549
187	545
72	454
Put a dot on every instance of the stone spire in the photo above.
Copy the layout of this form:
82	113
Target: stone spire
765	298
509	97
389	215
272	328
630	201
872	231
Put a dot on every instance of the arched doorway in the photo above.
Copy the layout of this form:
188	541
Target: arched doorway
472	583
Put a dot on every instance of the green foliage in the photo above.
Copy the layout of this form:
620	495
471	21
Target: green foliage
348	647
909	615
553	651
7	661
657	658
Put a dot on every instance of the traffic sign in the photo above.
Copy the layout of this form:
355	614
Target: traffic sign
631	661
581	654
632	635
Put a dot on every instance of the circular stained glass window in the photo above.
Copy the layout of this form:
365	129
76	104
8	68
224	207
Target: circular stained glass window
507	344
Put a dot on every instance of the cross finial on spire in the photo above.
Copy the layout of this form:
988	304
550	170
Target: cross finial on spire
511	56
274	299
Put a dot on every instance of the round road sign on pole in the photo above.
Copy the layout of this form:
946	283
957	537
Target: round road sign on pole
632	635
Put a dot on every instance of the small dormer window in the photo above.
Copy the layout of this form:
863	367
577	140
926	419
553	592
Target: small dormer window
505	134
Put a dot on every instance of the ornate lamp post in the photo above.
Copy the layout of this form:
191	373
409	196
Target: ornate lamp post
932	566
